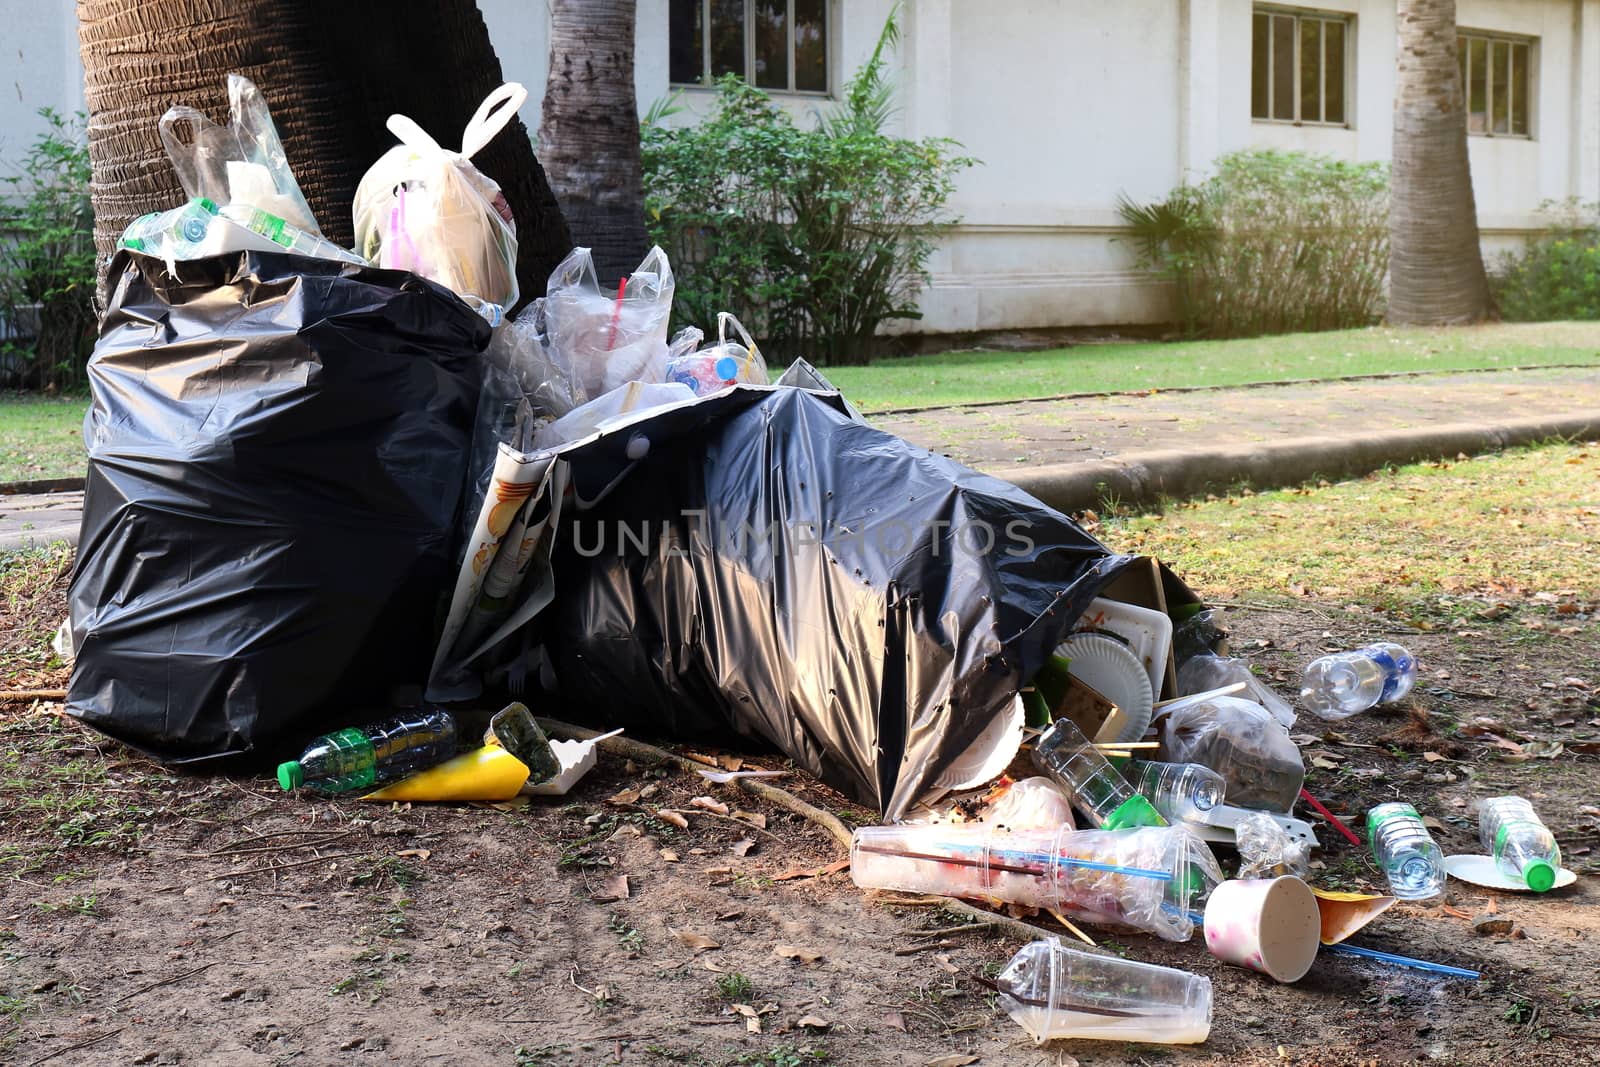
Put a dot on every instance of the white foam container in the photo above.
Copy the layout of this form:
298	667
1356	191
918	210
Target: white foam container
1147	631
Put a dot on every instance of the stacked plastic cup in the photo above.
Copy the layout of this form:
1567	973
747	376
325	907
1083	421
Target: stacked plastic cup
1053	991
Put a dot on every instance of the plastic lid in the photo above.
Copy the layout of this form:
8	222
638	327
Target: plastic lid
208	204
1539	874
290	775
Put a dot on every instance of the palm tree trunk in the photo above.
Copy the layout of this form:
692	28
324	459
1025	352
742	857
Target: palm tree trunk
1436	271
589	134
332	72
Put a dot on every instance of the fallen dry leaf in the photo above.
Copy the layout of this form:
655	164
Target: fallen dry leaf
752	1019
709	804
669	855
730	763
700	758
943	959
955	1059
1543	749
667	815
729	916
895	1021
690	939
795	952
818	872
1431	757
1433	824
415	853
754	818
625	796
741	848
814	1022
614	888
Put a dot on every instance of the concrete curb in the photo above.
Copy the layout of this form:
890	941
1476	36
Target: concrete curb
1143	478
42	485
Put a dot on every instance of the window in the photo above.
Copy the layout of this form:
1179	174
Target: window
1494	76
1297	68
772	44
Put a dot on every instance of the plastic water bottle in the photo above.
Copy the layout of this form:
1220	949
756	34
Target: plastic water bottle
170	234
290	237
1338	686
1183	792
1084	773
1522	846
1405	850
360	756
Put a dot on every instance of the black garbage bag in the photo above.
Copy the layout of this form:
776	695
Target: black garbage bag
277	448
784	572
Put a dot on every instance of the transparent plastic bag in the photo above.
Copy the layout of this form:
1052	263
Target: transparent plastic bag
1208	671
713	369
1240	740
622	404
1267	851
240	163
426	209
1031	804
601	340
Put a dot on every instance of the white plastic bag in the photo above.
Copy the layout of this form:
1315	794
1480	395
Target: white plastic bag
428	210
725	363
240	163
605	340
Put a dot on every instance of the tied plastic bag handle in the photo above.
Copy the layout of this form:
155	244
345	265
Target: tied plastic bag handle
490	118
752	353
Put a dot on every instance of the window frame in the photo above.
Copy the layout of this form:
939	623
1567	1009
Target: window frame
706	82
1299	14
1464	65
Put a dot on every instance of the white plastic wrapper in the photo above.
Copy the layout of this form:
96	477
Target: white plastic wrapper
426	209
240	163
601	340
1267	851
1031	804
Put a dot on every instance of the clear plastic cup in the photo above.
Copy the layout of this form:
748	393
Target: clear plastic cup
1053	991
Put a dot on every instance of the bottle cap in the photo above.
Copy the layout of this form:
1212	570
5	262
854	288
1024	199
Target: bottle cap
291	776
209	205
1539	874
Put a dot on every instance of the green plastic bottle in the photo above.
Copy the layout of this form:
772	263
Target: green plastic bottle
361	756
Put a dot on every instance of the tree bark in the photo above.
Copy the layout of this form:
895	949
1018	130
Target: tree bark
589	133
1436	274
332	71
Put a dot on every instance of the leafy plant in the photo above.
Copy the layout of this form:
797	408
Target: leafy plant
813	237
1272	242
1557	275
734	987
47	260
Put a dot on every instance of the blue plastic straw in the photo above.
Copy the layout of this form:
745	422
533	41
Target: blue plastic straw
1402	961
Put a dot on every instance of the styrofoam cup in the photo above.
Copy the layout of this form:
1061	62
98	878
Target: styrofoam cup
1269	925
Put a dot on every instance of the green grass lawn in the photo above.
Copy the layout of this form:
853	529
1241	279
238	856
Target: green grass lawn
41	437
969	377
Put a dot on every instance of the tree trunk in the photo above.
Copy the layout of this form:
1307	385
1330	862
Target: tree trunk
1436	272
589	134
332	71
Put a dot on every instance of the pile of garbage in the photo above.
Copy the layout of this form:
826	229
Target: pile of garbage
334	493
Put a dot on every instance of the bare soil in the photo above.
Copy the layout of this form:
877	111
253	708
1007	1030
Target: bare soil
152	917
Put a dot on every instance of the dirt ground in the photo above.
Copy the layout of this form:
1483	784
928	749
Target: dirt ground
147	917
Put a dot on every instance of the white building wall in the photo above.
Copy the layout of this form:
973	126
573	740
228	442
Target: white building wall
1068	103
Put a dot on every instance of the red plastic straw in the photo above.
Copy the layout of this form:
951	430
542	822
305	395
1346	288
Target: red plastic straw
1331	817
616	314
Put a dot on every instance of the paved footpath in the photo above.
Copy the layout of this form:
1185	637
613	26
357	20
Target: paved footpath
1140	446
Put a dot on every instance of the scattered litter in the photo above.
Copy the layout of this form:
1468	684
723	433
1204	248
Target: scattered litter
1053	991
724	777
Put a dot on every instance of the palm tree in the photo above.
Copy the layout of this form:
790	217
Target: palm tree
1435	264
589	134
332	72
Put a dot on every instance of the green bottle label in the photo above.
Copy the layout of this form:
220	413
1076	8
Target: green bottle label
1134	812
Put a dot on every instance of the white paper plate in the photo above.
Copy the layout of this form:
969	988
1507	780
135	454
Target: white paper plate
1107	666
1481	870
1147	631
989	754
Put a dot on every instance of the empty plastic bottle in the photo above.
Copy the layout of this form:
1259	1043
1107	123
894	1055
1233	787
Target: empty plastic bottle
290	237
1054	991
1405	850
1182	792
171	234
1522	846
1084	773
360	756
1338	686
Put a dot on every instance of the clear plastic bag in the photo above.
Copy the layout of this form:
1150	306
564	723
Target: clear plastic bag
426	209
1031	804
600	341
1208	671
713	369
240	163
1240	740
1267	851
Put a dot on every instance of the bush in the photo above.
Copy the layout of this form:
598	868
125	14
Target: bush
1272	242
1557	276
813	237
47	261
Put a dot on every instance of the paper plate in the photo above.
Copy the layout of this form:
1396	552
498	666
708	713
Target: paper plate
1107	666
988	755
1481	870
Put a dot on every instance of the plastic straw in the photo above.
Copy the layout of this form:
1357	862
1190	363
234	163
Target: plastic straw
1402	961
1331	817
1011	862
616	314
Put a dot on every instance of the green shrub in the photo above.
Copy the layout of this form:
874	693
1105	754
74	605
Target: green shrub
1557	276
47	260
812	237
1272	242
